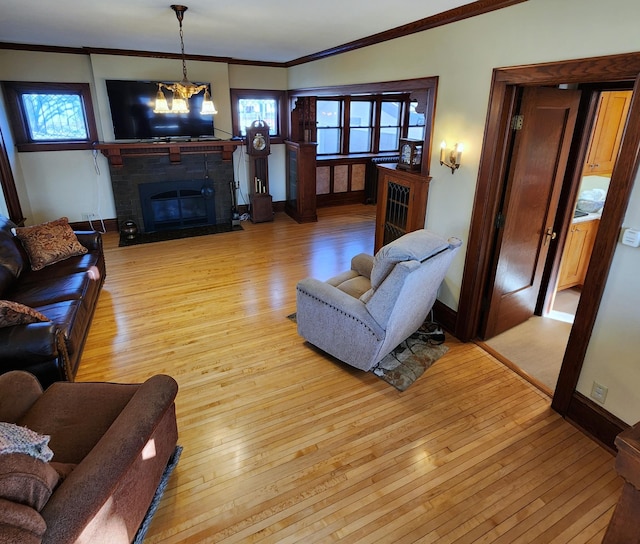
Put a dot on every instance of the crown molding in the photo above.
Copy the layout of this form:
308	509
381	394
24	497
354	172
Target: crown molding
446	17
451	16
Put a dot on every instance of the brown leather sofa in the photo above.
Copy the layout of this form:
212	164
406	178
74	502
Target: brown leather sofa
66	292
111	444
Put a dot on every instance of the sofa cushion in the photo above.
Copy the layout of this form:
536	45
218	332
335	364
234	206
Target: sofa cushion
50	242
72	287
13	313
76	415
20	524
26	480
418	246
71	265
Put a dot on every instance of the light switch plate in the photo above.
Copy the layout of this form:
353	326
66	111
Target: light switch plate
631	237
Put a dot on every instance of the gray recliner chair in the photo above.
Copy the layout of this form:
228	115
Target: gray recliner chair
361	315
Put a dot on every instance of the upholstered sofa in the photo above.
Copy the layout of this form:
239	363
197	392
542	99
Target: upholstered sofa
362	314
50	280
110	443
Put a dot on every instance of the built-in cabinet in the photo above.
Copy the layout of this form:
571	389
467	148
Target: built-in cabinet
301	181
607	133
577	253
402	203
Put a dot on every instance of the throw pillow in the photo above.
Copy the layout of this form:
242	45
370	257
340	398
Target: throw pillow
14	313
26	480
50	242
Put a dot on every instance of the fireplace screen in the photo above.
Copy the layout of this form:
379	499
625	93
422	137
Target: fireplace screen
177	204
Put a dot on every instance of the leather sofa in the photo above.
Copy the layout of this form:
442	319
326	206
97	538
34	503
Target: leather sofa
111	444
65	292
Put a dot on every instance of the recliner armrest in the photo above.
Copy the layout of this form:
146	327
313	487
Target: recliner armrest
342	303
362	263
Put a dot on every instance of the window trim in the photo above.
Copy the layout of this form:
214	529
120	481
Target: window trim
13	91
260	94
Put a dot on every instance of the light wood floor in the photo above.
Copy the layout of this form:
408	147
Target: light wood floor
285	445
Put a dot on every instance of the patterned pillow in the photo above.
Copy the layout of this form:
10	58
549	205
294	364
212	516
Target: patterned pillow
50	242
14	313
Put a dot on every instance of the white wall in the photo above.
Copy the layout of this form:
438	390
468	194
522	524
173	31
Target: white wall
464	55
612	358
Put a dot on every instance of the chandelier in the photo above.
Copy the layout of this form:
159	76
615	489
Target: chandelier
182	90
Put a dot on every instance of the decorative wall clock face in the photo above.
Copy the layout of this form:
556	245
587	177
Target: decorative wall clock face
259	142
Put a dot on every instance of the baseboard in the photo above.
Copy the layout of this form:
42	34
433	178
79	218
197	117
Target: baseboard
109	225
445	316
595	421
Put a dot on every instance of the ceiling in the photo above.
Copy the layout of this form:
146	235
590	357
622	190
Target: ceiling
256	30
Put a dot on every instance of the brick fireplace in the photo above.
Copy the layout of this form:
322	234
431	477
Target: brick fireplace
157	192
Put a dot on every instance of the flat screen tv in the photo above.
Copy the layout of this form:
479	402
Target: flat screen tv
131	104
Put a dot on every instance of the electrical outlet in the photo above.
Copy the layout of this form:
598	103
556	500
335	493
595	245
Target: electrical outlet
599	392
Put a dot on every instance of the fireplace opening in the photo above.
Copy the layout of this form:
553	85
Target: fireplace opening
177	204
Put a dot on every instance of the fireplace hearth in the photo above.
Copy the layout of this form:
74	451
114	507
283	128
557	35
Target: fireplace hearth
158	194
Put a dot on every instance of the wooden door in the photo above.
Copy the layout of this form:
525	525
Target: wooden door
531	193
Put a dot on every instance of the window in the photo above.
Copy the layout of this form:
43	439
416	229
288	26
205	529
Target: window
329	123
251	105
51	116
416	122
372	124
360	126
390	124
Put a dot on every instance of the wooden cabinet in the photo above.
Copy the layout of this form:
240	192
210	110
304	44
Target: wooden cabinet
607	133
301	181
402	203
577	253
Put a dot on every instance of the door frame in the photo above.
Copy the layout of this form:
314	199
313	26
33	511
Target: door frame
8	186
614	68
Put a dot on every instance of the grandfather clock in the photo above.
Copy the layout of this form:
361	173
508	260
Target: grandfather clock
258	149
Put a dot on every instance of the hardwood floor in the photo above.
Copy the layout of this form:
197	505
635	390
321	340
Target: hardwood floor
284	445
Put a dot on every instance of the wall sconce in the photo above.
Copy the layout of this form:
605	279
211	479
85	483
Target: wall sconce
452	158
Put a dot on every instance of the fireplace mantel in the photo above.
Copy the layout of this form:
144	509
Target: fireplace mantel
116	151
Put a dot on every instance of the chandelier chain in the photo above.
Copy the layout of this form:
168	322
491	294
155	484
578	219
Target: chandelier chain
184	63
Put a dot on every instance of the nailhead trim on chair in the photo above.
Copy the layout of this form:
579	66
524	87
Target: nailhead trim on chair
339	310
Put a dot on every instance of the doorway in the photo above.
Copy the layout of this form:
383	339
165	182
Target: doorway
535	348
493	163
